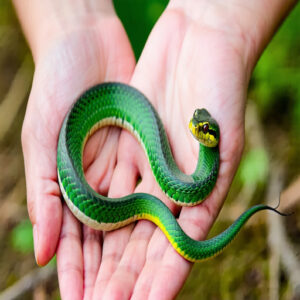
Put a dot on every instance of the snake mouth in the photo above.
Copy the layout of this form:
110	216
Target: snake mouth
203	134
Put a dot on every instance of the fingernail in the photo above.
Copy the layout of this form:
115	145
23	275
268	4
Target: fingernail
35	241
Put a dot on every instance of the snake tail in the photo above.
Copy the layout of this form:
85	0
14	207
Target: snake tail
201	250
194	250
140	206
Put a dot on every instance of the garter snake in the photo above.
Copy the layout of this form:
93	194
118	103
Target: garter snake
121	105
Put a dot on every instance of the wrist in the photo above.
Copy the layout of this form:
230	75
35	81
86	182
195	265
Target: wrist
46	21
246	26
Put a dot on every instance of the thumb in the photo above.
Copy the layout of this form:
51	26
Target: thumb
43	194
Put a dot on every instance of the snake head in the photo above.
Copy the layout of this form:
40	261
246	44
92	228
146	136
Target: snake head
204	128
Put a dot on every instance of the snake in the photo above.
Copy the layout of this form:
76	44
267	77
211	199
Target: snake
118	104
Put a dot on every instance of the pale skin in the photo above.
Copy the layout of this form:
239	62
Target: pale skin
199	54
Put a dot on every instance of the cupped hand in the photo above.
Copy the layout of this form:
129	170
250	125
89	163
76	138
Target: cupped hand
90	52
188	62
200	54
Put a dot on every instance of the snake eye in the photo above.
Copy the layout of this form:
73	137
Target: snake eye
205	128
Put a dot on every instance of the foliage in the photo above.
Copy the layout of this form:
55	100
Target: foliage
275	83
22	238
138	18
275	87
254	167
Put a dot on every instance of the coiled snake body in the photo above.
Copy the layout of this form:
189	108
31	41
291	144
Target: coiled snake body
121	105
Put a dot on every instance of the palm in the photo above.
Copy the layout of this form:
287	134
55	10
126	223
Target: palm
77	61
179	73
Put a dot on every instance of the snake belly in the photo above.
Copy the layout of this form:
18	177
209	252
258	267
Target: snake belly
121	105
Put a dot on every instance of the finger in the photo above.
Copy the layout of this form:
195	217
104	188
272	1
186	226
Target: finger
43	194
92	251
174	266
70	258
155	252
123	279
133	257
123	183
164	262
99	162
196	221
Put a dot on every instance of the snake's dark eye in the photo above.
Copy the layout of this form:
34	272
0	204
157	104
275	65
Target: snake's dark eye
205	128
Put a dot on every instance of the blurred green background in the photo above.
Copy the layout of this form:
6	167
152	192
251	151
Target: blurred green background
248	269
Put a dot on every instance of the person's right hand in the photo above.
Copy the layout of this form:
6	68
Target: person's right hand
69	58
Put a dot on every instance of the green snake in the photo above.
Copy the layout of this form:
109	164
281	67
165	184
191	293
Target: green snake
122	105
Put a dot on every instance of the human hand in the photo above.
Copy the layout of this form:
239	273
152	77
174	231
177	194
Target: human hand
197	56
196	68
112	270
72	50
134	260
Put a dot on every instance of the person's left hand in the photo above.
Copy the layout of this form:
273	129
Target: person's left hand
186	64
